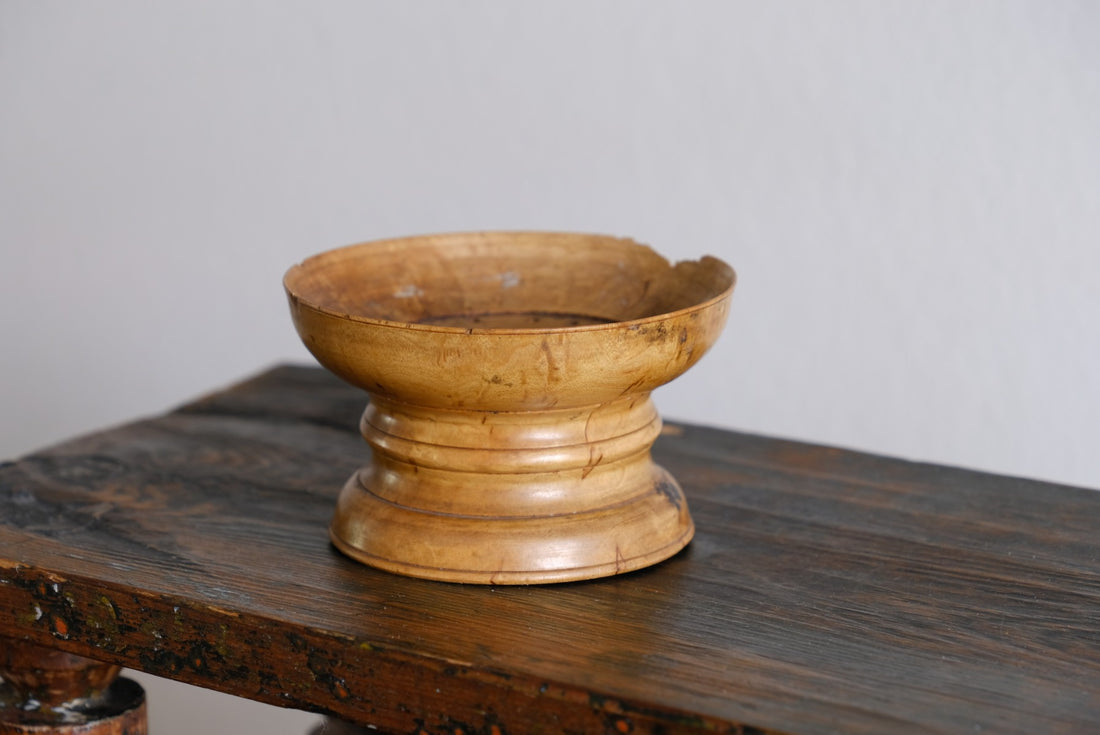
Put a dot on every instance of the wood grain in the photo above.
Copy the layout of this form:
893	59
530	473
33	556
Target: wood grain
825	591
510	419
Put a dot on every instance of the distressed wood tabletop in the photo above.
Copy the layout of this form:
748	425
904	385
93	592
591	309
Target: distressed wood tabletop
825	591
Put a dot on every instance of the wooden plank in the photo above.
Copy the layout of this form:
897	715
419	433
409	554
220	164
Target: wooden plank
825	590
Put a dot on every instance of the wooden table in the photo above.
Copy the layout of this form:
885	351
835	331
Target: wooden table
825	591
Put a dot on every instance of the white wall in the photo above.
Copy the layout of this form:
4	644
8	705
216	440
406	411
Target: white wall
909	192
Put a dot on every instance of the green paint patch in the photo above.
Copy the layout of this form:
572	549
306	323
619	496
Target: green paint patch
222	644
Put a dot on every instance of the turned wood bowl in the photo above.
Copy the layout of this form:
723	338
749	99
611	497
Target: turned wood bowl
510	419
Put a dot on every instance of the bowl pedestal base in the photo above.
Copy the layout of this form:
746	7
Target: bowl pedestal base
498	497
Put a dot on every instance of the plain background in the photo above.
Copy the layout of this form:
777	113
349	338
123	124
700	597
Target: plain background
909	192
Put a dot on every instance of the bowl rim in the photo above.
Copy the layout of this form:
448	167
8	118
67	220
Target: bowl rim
630	324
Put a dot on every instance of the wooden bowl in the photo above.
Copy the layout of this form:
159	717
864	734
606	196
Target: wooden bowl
510	419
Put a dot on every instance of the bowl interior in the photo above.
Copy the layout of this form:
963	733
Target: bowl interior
504	280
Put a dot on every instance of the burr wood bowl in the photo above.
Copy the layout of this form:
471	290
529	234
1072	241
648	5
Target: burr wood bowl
510	419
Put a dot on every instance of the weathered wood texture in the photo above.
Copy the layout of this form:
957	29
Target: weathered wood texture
50	692
825	590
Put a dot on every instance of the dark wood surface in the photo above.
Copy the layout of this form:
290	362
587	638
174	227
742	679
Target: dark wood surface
825	591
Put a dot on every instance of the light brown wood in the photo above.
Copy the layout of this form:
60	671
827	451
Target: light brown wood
510	419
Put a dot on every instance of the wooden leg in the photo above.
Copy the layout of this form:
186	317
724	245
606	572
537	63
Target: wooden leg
55	693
